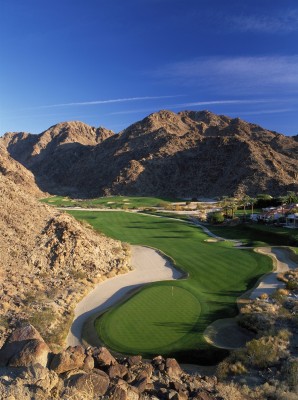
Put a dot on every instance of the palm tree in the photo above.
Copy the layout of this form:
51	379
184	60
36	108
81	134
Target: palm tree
225	205
233	206
252	203
291	197
245	202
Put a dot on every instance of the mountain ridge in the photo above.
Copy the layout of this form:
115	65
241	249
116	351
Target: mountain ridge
185	154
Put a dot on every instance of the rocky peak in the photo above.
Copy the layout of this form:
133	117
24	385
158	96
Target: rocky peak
103	134
164	121
69	132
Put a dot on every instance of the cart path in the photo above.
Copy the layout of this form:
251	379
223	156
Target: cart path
269	283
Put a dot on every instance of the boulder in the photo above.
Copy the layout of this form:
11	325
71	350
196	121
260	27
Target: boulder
118	393
17	341
117	371
173	368
34	352
134	360
178	396
104	357
204	396
96	382
88	363
69	359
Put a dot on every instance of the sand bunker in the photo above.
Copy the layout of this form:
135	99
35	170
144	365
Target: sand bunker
149	266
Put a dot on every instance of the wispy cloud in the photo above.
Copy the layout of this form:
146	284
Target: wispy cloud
285	22
110	101
220	102
263	112
235	73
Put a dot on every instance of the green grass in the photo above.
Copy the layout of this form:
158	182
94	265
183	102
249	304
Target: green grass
218	274
110	202
171	312
258	234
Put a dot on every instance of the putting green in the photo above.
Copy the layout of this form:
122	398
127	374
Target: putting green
217	275
153	321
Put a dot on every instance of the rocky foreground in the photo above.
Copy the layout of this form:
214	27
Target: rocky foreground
29	370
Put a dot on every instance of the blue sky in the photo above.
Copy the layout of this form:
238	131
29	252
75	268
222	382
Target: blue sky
112	62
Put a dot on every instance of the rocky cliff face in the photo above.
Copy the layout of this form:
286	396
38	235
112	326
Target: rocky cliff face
48	260
184	155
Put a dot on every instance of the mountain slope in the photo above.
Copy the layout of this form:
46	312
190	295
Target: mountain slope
17	173
167	154
48	260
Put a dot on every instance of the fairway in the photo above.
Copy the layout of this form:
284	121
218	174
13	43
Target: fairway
217	275
113	202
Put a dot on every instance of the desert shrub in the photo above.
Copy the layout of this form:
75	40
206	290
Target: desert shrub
41	320
267	350
283	292
229	391
4	321
292	285
279	296
264	296
290	372
215	217
77	274
223	369
238	368
256	322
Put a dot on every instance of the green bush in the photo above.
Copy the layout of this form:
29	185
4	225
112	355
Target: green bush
215	217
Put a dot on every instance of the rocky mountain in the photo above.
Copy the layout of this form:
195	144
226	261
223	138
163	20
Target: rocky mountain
48	260
188	154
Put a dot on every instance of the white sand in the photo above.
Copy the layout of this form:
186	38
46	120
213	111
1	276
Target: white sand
283	263
149	266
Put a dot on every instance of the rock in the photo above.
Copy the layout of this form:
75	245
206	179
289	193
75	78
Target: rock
204	396
179	396
134	360
21	380
117	371
104	357
157	361
88	363
123	391
72	358
34	352
178	386
18	339
173	368
96	382
118	394
141	384
146	370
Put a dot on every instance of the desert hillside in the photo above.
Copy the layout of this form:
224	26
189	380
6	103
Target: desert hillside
187	154
48	259
17	173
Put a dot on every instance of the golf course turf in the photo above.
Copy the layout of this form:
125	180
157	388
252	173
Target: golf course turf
170	317
109	202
